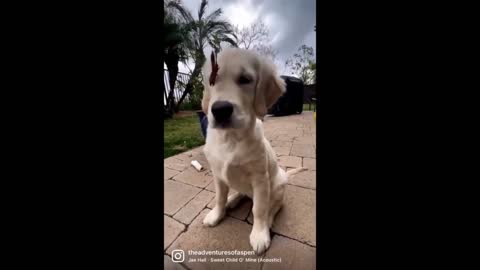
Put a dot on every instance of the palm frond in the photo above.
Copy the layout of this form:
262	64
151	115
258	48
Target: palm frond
171	34
214	15
229	40
227	37
201	10
214	44
212	26
184	12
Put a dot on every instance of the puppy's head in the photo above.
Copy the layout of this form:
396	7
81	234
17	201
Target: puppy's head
246	86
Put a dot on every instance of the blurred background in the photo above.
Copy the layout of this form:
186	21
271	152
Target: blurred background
282	30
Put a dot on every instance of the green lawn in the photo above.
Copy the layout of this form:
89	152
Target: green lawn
181	134
305	107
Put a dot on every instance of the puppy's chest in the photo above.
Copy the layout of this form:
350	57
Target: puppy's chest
238	178
237	167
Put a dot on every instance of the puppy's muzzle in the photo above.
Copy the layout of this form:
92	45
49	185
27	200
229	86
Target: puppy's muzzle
222	111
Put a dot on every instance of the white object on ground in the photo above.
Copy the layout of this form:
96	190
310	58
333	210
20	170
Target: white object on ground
197	165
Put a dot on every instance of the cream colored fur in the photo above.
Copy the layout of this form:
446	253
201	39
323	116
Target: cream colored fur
240	156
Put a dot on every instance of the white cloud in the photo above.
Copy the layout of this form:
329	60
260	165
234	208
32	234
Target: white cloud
241	14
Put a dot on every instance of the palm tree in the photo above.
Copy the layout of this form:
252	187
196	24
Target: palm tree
206	29
174	52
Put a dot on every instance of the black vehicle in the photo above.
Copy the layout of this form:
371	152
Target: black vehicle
292	101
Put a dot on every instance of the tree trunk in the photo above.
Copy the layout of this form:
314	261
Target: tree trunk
171	60
189	86
199	61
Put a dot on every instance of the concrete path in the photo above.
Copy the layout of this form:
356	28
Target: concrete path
189	195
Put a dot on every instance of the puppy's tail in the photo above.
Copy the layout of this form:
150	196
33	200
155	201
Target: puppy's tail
295	171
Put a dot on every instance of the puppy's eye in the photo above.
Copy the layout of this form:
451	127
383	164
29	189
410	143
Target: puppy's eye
244	80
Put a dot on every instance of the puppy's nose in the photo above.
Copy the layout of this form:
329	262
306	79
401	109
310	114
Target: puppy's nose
222	110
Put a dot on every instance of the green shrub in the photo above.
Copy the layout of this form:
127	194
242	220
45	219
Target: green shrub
194	100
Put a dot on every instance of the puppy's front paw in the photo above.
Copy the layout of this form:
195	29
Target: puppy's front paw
260	240
213	217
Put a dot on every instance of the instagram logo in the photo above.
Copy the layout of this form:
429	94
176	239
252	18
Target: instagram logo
178	256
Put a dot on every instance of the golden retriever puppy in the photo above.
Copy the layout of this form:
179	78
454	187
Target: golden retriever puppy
243	88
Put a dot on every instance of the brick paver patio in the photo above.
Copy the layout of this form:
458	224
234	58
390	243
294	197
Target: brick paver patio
190	194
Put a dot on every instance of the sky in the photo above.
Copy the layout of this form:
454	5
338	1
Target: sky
291	23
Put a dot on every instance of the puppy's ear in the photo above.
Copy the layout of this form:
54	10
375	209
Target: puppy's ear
269	88
206	86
